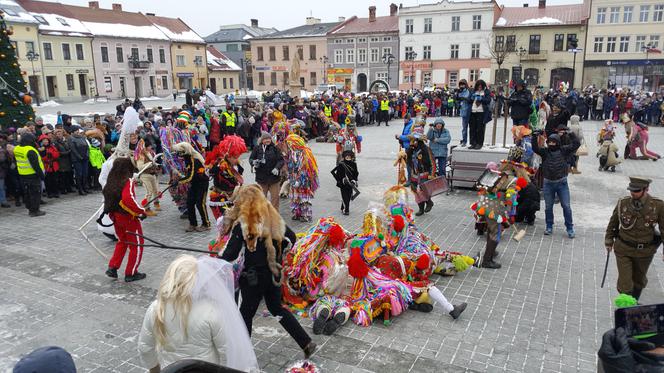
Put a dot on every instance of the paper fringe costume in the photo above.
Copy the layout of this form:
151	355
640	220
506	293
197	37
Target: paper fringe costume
302	176
226	176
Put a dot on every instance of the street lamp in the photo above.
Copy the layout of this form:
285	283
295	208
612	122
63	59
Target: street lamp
198	61
573	43
32	57
245	63
323	60
388	58
412	55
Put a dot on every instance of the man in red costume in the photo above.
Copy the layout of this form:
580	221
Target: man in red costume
126	212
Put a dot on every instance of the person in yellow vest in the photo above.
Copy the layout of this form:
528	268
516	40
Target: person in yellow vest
327	109
31	173
228	119
384	111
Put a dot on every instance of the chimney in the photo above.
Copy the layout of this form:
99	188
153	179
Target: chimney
542	4
93	4
150	14
117	7
254	22
393	9
372	14
312	21
342	19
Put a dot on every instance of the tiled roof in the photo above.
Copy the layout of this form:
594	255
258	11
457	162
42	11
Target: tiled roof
363	26
175	29
218	61
573	14
237	33
319	29
54	14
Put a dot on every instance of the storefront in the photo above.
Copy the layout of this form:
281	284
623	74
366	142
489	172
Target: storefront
185	80
647	75
341	78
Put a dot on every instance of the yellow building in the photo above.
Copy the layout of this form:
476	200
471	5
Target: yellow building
65	51
188	53
539	43
25	38
224	74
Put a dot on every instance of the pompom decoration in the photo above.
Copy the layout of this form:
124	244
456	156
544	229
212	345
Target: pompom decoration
356	265
398	223
460	263
336	235
27	99
624	300
305	366
423	262
144	202
521	182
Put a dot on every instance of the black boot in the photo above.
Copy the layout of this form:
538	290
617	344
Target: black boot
429	206
457	310
421	211
112	272
334	323
135	277
636	293
321	319
489	252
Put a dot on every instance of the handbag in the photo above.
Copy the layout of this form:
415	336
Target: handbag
582	150
435	186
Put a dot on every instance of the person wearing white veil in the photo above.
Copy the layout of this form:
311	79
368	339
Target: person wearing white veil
195	317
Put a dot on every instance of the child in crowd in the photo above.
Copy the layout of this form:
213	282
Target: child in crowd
346	174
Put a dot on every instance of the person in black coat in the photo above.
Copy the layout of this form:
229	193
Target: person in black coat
528	204
267	162
479	114
521	102
420	163
559	117
346	175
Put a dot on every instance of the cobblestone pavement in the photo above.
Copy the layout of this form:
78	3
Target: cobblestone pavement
542	312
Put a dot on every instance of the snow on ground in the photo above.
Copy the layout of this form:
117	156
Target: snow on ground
49	103
153	98
541	21
94	101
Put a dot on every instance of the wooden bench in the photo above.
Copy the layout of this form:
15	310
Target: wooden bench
463	166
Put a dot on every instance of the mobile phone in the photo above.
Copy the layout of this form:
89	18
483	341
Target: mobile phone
641	320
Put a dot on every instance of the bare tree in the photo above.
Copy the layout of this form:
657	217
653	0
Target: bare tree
498	52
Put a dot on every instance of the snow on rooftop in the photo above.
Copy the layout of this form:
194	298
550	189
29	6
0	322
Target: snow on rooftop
247	37
501	22
14	12
541	21
213	60
125	31
55	24
187	36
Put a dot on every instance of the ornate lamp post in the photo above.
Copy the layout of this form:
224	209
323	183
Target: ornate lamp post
32	57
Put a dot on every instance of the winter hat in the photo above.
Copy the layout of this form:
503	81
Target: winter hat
265	135
439	121
49	359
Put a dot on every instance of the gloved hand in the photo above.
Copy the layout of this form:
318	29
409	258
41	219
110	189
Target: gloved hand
150	213
275	172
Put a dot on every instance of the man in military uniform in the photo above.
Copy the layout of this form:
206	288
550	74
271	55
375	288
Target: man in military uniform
631	234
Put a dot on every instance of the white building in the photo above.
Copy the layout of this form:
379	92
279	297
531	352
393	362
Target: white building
448	40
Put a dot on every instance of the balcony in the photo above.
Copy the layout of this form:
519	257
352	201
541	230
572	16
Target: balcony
139	65
541	56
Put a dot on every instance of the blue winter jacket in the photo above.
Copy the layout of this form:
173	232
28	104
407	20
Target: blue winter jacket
464	98
438	141
405	141
374	104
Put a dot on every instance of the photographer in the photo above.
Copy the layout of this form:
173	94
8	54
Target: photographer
267	162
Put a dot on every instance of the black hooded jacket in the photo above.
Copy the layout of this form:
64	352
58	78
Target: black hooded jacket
521	104
554	161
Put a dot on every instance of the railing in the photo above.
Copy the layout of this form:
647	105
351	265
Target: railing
541	56
139	65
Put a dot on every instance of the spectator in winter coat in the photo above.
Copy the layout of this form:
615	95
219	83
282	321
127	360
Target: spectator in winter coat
80	157
609	104
463	97
521	102
267	162
50	156
480	114
439	138
559	117
4	169
554	169
346	174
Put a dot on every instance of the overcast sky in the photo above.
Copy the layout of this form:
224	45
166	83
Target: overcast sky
206	16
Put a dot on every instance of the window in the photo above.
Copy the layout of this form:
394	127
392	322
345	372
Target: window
456	22
338	41
409	26
29	46
510	45
9	11
534	45
79	52
558	42
41	20
179	60
610	44
232	48
426	52
230	81
285	53
350	55
362	55
615	14
407	52
48	51
108	84
387	38
499	43
350	41
624	44
658	13
381	76
386	50
426	79
571	37
475	50
654	41
261	78
312	78
285	77
164	82
373	40
162	55
599	42
601	15
428	24
407	78
477	22
453	78
454	51
338	56
63	21
312	52
66	53
474	75
627	14
374	55
643	16
361	40
70	81
640	43
134	53
150	56
259	53
224	83
119	54
273	53
300	53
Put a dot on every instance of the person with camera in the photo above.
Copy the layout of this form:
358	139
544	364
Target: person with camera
632	236
267	162
521	102
555	166
480	114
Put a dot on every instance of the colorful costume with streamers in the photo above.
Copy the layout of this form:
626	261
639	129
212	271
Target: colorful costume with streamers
348	139
173	165
302	176
226	172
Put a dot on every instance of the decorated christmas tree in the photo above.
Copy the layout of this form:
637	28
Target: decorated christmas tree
15	99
